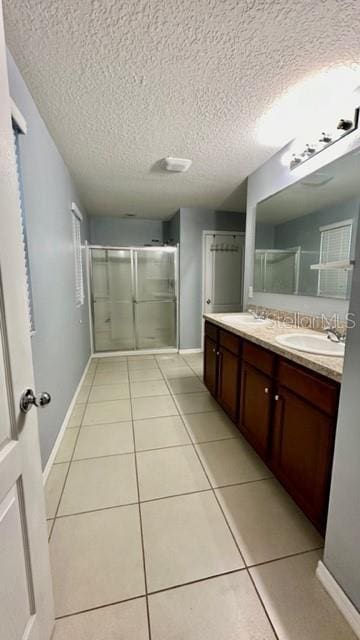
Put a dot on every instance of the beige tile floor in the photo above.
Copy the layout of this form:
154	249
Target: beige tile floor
165	525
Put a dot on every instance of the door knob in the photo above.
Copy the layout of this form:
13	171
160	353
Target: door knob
29	399
208	301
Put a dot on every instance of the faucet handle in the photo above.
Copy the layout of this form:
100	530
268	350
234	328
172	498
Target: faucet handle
334	334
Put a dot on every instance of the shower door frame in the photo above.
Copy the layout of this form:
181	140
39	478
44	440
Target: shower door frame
131	249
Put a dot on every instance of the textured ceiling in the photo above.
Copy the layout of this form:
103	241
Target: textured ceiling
121	84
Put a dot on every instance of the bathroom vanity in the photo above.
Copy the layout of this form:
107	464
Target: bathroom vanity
284	403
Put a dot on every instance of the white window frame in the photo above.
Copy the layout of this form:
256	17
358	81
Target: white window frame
20	128
77	219
329	227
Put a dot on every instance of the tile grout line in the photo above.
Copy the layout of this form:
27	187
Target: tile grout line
172	495
138	491
237	545
229	572
81	425
233	537
211	488
69	463
169	446
285	557
166	497
158	498
185	584
100	606
140	518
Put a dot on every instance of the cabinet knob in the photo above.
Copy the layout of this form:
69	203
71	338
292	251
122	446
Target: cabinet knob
266	390
277	397
214	350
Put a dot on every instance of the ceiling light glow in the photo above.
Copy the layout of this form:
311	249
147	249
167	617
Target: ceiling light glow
309	105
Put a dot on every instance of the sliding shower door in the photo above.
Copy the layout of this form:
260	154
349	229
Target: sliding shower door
133	297
112	299
155	298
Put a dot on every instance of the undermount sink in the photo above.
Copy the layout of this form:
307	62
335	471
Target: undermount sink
245	318
317	344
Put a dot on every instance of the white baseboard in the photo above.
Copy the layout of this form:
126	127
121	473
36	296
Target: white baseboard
140	352
189	351
350	613
60	435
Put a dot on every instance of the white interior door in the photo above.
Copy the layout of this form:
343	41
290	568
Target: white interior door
26	607
223	271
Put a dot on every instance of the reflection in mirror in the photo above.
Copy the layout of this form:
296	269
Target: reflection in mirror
304	229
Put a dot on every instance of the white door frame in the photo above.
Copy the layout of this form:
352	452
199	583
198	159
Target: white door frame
26	601
240	234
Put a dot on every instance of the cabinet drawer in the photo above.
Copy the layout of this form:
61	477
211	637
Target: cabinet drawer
211	330
230	341
322	393
260	358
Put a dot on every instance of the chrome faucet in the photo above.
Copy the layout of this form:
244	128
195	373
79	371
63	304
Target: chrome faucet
334	334
258	316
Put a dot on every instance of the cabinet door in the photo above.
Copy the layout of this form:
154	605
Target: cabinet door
228	382
210	364
302	451
255	408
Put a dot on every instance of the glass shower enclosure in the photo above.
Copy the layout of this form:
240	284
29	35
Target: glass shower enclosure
133	298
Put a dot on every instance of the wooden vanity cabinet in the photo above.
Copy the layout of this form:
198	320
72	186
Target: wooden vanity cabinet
221	367
256	396
304	423
286	411
228	373
255	409
210	364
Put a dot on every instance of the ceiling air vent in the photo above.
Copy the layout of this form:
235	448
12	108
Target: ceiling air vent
180	165
316	180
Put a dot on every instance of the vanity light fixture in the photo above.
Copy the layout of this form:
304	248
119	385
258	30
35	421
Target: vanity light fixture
343	128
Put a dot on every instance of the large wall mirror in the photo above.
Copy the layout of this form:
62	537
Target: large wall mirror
304	229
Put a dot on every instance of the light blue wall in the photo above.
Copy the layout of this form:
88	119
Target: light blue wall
172	229
124	232
265	235
192	224
305	230
61	345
